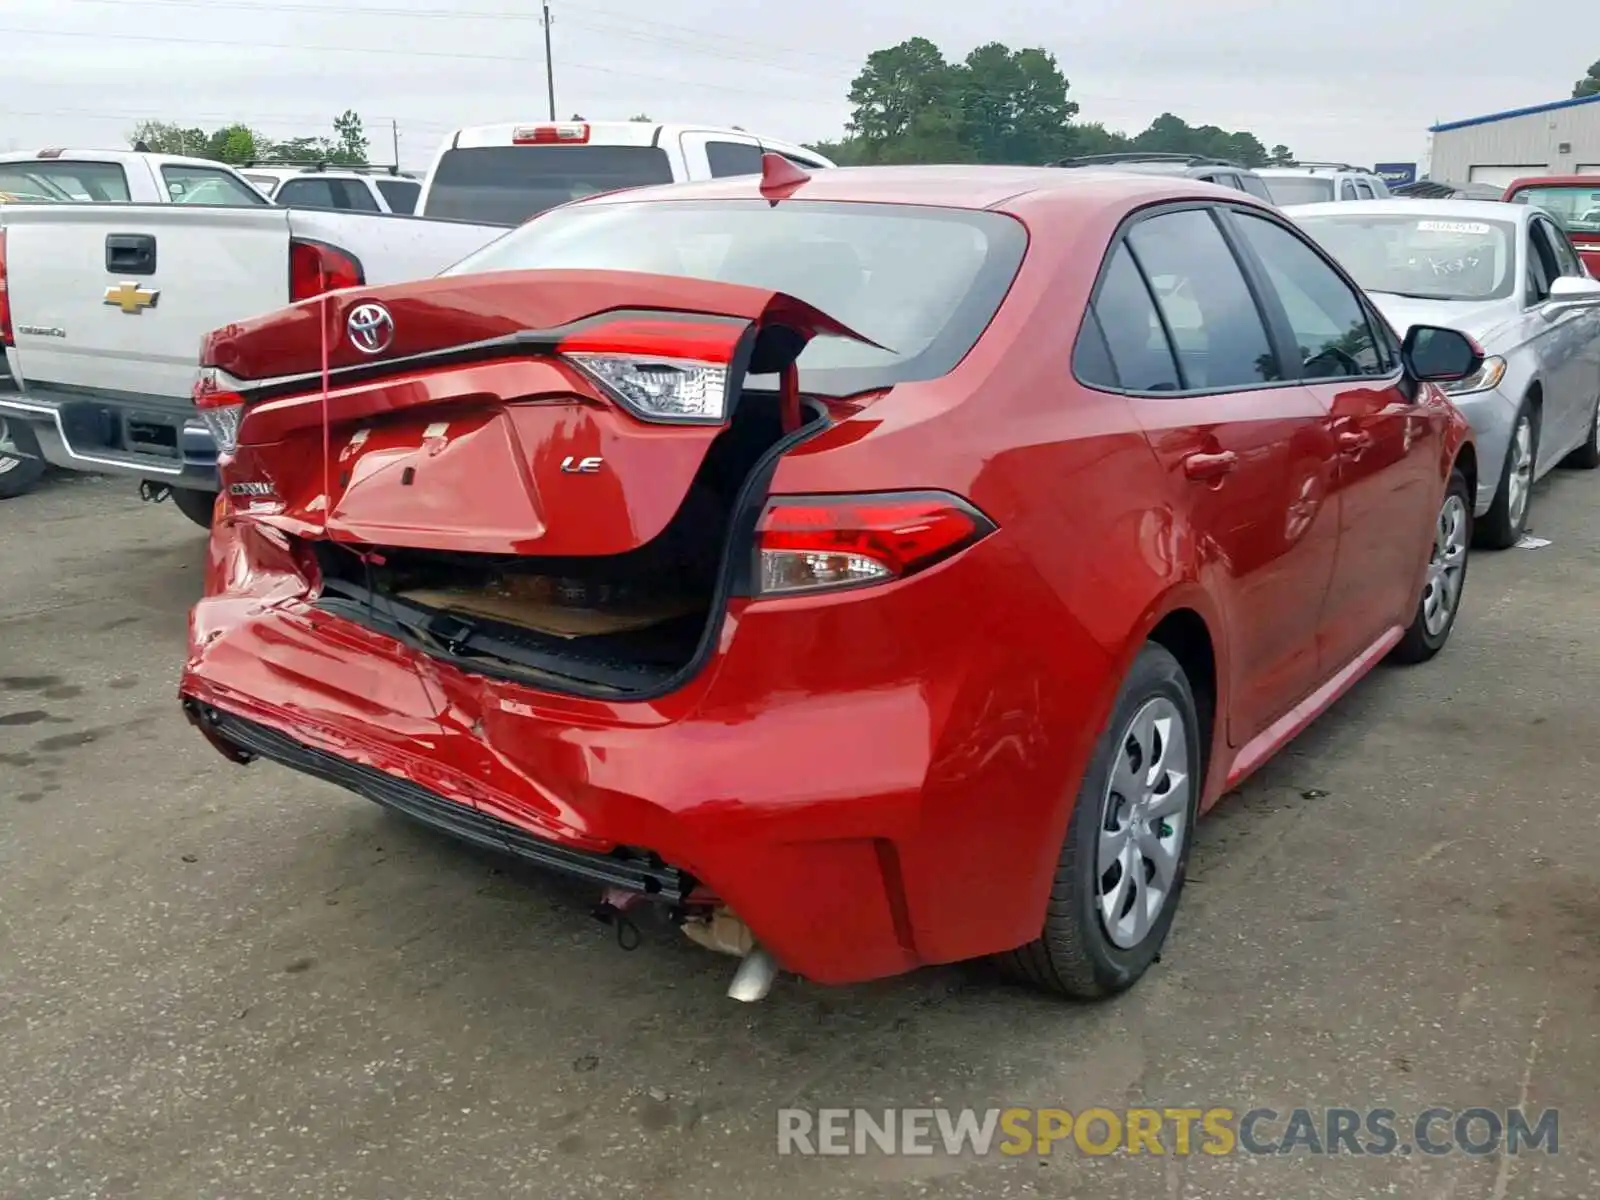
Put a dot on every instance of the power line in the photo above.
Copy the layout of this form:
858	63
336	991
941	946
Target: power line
385	52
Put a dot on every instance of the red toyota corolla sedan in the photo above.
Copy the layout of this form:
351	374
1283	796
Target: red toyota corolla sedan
875	569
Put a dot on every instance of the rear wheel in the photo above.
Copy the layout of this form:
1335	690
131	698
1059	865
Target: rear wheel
1587	456
1122	863
18	474
1447	576
197	506
1503	525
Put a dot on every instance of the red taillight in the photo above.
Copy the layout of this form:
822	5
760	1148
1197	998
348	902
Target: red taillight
661	368
7	336
816	543
220	409
550	135
316	268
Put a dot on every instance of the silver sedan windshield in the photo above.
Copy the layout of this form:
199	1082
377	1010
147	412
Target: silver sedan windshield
1425	257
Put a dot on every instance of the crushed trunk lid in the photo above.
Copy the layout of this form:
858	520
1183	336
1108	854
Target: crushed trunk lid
550	413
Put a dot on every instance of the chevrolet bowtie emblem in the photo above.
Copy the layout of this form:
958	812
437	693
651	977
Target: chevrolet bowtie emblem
131	298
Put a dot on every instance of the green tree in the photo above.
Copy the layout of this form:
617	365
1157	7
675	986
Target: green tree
904	104
164	137
1589	85
232	144
645	117
1281	156
1013	105
349	144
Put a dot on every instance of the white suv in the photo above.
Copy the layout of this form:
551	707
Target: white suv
1318	182
340	189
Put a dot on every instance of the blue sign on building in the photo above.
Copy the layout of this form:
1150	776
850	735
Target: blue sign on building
1396	174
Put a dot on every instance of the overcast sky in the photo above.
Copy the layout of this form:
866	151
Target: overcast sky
1343	79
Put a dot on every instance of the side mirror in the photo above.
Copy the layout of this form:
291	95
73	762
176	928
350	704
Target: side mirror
1571	291
1433	354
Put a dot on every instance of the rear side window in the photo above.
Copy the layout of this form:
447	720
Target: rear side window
922	283
205	185
400	194
1364	189
733	158
1329	321
59	180
505	185
1136	349
1217	330
344	195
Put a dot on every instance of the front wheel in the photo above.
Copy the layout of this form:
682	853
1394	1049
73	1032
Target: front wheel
18	474
1126	850
1447	576
1507	519
197	506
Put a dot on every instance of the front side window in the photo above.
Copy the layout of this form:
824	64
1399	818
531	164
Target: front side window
1217	330
1426	257
1347	190
1364	189
205	185
1329	321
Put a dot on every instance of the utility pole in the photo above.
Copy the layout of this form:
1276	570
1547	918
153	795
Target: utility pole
394	125
549	66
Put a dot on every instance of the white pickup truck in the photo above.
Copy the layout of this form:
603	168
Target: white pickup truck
102	308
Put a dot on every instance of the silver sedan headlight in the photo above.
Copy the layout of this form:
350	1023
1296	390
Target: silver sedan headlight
1483	379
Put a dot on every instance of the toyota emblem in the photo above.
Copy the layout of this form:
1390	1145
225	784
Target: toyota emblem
371	328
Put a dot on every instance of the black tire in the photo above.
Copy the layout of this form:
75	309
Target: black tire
1587	456
1074	954
1498	530
1420	643
19	476
197	506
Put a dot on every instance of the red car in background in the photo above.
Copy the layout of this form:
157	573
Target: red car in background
1574	200
875	569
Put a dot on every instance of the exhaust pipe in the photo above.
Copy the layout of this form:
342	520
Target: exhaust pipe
754	978
721	930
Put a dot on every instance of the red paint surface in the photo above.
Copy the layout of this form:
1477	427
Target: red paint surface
879	778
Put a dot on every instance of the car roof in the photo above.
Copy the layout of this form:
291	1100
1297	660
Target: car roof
1318	171
943	186
1446	210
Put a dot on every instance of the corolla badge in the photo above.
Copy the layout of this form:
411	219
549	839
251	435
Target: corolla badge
370	327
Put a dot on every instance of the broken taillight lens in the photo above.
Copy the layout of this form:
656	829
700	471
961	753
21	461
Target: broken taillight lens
220	409
661	369
817	543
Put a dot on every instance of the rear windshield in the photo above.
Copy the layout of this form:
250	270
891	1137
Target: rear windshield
505	185
1429	258
1576	206
922	283
1299	189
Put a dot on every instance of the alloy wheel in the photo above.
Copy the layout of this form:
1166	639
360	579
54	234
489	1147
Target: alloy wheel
1520	484
1142	827
1446	566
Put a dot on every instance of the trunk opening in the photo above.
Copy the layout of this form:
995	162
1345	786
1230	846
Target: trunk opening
633	624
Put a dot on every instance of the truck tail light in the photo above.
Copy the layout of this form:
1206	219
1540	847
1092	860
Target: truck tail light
317	267
7	336
662	369
824	543
570	134
220	409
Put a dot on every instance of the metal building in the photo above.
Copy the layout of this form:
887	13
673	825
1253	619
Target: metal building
1560	138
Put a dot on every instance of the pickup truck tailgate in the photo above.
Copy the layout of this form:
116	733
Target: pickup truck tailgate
115	298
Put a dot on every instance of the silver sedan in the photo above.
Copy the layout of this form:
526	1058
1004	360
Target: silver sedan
1506	275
